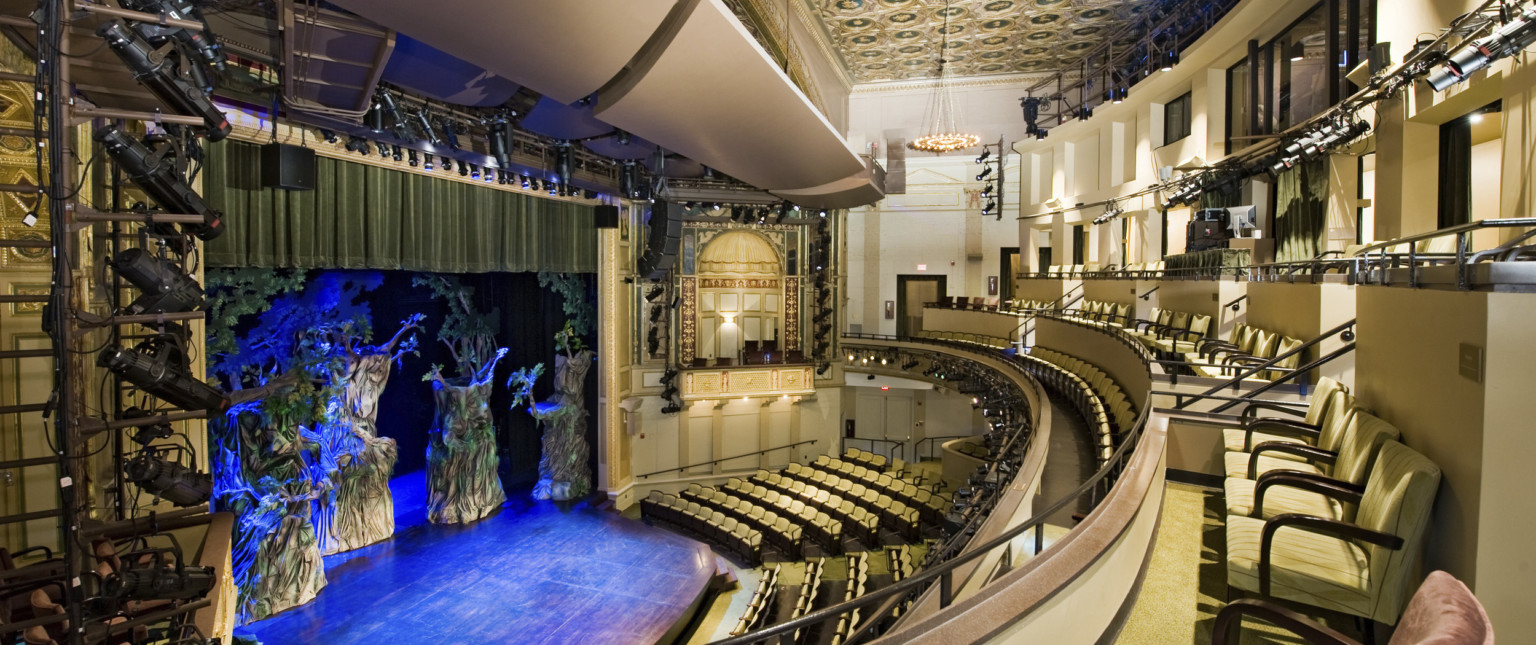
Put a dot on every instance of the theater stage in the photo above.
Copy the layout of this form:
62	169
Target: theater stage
533	573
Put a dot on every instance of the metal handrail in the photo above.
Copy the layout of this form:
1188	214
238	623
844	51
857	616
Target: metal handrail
1458	229
899	446
1299	371
1269	364
944	571
1148	294
1461	231
1233	304
716	461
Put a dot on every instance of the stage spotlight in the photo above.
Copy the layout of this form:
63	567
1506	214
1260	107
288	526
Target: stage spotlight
985	154
1170	58
538	185
526	181
159	366
654	293
396	152
383	149
497	140
451	134
447	164
671	408
909	364
427	164
1508	40
424	124
981	176
156	175
166	479
374	119
357	144
564	162
165	288
986	191
202	42
1120	95
464	170
413	159
328	136
390	108
146	575
158	74
1298	51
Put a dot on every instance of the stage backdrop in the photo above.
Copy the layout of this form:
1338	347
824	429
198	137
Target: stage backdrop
366	217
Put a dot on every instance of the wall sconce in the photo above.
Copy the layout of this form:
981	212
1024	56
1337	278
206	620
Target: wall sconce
730	319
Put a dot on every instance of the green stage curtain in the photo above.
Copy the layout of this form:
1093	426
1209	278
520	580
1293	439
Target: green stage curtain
365	217
1301	211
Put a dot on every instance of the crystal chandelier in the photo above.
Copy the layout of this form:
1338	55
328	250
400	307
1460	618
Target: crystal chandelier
944	133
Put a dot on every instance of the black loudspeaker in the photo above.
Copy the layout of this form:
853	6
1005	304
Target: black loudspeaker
1379	57
287	167
663	238
607	216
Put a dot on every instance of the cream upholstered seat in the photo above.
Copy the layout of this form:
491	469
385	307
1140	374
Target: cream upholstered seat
1256	430
1360	568
1288	492
1335	422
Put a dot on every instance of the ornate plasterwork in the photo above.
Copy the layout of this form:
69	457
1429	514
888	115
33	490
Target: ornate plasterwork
688	325
882	40
717	383
791	313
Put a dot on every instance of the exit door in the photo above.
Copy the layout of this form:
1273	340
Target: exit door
912	292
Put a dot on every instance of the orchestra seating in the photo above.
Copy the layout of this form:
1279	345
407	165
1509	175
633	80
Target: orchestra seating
858	577
713	526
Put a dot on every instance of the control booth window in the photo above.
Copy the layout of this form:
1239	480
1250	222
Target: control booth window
1176	119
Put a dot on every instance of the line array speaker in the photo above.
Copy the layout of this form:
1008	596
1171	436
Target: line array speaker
664	235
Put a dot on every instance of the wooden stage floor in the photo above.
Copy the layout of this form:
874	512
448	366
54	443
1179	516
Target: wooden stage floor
534	573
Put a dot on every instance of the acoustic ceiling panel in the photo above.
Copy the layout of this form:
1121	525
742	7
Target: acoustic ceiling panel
564	50
705	89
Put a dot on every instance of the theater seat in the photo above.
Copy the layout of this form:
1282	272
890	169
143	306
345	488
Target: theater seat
1259	429
1327	438
1360	568
1294	492
1442	612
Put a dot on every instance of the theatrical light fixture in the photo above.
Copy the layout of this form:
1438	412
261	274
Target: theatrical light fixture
1298	51
165	288
383	149
986	191
424	124
328	136
200	42
526	180
447	164
1515	35
159	366
154	172
413	159
168	479
499	140
1170	58
427	164
986	153
374	119
396	152
146	575
451	131
564	160
387	106
464	170
158	74
357	144
985	172
991	206
1120	95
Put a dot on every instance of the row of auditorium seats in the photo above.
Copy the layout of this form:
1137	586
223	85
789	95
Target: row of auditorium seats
1093	270
866	459
906	489
1169	325
1109	412
805	601
858	521
858	577
714	526
782	529
1027	306
890	512
992	342
762	602
1245	347
1113	313
968	302
814	524
1353	502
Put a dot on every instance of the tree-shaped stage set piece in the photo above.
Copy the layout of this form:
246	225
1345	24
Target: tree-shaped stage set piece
298	457
563	471
462	480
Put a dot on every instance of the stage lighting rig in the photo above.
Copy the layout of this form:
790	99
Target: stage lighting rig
166	289
1515	35
159	366
154	171
357	144
159	471
157	73
424	124
200	42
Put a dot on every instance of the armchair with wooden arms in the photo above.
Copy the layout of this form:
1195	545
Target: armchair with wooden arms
1442	612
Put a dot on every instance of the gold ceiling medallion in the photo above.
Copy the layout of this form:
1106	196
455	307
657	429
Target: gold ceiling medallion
944	133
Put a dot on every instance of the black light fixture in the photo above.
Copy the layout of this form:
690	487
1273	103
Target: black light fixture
388	107
464	169
1517	33
1170	58
427	164
474	171
383	148
1120	95
152	172
328	136
986	153
451	131
166	479
158	74
159	366
424	124
412	159
396	152
1297	51
166	289
985	172
526	181
357	144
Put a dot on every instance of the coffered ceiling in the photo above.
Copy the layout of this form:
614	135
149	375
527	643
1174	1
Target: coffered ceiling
883	40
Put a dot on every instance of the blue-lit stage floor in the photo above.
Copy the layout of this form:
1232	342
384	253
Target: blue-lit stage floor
533	573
